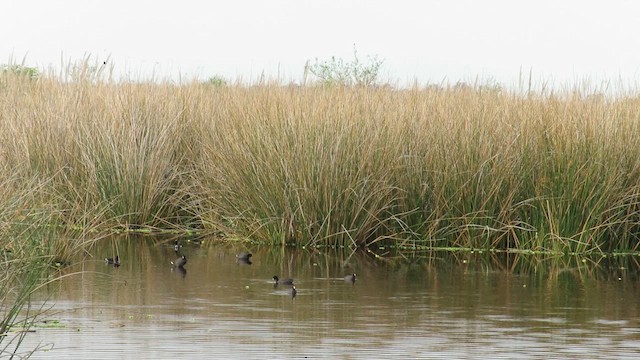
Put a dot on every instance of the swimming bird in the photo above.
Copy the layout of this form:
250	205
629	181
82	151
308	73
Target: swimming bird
351	278
180	262
176	246
244	259
113	261
293	292
282	281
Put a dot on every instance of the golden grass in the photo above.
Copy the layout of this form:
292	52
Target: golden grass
459	166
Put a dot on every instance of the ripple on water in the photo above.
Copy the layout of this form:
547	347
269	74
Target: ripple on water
220	310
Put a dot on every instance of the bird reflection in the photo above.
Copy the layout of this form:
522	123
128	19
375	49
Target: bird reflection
180	270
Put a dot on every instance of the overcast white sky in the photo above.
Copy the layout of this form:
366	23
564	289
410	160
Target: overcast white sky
560	41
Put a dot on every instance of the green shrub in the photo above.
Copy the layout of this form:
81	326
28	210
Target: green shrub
336	71
20	71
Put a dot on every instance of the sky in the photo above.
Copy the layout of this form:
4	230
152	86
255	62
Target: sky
496	41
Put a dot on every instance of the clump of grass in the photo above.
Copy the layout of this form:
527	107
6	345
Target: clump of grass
117	150
306	173
440	167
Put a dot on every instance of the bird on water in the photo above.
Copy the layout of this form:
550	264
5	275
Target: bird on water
180	262
278	281
113	261
244	256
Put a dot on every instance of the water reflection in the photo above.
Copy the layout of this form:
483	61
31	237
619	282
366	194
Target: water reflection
438	306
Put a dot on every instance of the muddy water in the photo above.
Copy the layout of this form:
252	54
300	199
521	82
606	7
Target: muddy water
442	306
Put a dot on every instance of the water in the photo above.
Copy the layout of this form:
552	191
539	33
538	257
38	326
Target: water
442	306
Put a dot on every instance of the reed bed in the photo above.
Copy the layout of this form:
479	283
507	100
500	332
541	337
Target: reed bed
434	167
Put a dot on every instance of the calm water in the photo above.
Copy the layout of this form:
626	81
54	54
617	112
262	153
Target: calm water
443	306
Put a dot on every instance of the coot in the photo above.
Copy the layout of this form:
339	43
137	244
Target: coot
282	281
179	262
113	261
244	256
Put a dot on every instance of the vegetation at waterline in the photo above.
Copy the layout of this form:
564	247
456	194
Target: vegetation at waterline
440	166
29	249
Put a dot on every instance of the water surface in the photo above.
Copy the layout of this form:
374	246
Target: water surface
440	306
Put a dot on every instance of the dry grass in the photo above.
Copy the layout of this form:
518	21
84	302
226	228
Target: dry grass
435	167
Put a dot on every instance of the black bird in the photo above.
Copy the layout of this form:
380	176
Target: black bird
244	258
179	262
293	292
176	246
350	278
113	261
282	281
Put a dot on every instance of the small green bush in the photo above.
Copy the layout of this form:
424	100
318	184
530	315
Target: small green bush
20	70
337	71
216	81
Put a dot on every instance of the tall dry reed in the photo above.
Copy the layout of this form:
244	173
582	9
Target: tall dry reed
431	167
